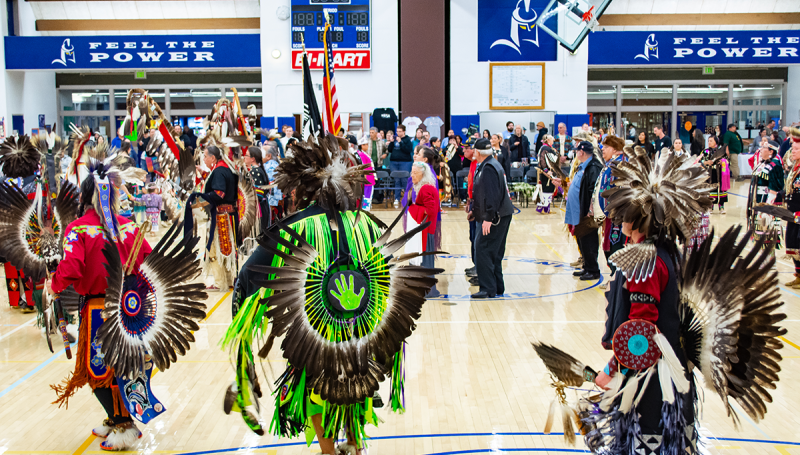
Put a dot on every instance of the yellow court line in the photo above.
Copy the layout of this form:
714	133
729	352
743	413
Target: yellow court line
789	343
91	438
782	450
548	246
85	445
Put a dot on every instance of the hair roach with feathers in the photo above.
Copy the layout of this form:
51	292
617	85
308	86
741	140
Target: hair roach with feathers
322	172
662	199
19	157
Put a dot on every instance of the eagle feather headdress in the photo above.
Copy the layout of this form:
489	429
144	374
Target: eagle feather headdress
661	198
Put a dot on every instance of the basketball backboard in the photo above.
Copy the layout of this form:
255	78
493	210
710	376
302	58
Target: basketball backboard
575	19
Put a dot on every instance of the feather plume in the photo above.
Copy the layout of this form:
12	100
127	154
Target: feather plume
676	371
321	172
664	197
19	158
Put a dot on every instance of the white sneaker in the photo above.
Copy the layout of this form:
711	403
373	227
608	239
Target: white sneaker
396	203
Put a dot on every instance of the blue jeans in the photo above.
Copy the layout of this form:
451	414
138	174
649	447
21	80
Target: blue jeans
400	183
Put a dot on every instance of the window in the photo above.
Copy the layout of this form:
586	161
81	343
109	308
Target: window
602	95
646	95
84	100
184	98
703	95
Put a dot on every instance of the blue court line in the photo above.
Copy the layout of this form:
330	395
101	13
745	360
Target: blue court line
737	195
34	371
466	435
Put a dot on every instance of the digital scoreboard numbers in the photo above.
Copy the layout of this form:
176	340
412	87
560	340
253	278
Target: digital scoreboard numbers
349	33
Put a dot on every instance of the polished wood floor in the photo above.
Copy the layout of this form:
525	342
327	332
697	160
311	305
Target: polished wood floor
474	384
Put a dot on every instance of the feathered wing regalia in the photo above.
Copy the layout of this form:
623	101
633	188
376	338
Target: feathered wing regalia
727	328
328	280
146	315
32	225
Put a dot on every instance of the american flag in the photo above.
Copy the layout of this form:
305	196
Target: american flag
333	122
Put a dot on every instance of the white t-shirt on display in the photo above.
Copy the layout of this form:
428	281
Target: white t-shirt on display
411	124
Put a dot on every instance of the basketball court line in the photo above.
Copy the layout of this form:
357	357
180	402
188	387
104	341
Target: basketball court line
20	327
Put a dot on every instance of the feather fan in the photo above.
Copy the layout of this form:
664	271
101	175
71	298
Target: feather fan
154	310
563	366
775	211
738	317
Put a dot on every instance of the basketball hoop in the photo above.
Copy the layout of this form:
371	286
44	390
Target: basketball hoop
569	21
588	17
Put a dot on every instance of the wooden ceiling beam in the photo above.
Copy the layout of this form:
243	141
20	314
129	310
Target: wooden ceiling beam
620	20
228	23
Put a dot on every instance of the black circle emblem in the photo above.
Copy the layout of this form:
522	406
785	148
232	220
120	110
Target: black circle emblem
348	291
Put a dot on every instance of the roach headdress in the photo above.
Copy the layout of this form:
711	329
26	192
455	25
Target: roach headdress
661	197
19	158
322	172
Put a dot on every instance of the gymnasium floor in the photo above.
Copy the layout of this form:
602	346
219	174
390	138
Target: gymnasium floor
474	384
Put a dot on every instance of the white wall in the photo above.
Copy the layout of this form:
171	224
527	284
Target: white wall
565	80
28	93
358	91
793	96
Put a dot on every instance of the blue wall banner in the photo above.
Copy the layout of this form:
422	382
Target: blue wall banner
141	52
507	32
750	47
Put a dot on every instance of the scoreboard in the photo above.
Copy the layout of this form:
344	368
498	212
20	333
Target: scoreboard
349	33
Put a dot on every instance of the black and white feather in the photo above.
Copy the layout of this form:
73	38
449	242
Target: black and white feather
155	309
26	243
736	302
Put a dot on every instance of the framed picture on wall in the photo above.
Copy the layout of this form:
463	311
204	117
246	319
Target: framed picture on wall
517	86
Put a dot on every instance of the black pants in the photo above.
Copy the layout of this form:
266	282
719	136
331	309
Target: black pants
589	245
489	252
105	397
472	234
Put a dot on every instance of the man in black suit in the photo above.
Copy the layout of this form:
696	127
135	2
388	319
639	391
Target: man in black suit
492	210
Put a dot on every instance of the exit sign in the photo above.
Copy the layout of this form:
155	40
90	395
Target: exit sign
140	75
708	70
